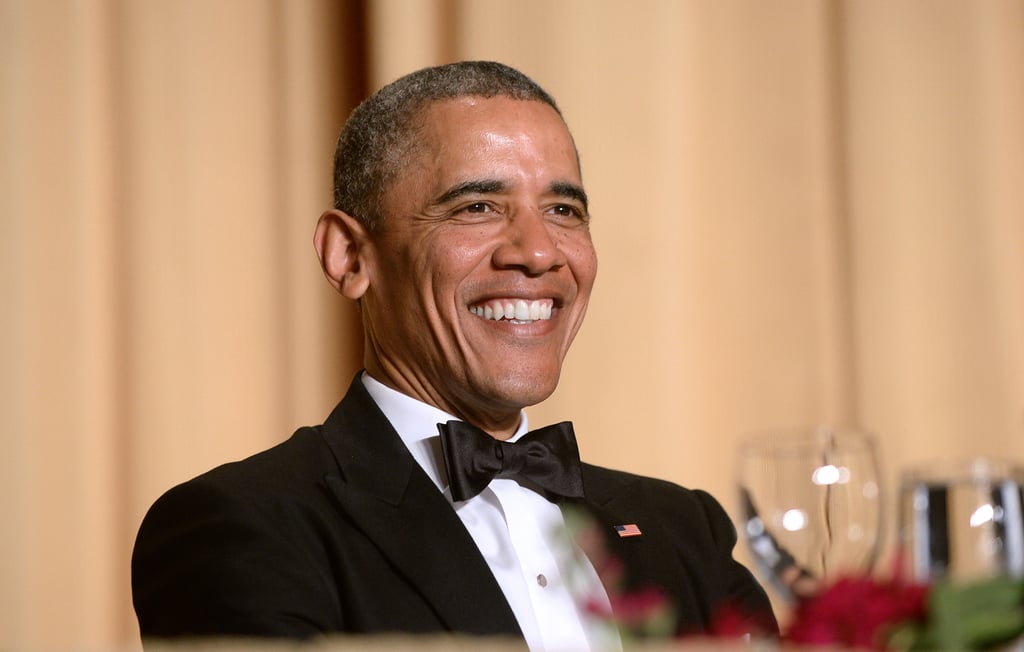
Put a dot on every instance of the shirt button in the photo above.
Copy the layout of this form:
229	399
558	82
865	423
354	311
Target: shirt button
542	581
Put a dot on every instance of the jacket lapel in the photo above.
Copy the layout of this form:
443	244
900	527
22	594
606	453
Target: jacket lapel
650	559
385	492
612	501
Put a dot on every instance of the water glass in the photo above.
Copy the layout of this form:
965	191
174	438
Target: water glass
962	520
811	505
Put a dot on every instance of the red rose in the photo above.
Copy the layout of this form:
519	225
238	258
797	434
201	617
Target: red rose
857	612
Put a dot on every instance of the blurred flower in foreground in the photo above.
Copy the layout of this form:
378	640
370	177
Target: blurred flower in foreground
896	615
857	612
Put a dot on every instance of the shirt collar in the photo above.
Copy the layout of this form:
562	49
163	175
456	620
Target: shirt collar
416	423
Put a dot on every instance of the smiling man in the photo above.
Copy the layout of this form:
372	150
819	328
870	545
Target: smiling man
423	504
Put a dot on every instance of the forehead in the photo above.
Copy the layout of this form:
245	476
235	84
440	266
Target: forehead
491	129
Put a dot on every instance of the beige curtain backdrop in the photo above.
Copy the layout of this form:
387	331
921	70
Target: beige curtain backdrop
806	211
163	164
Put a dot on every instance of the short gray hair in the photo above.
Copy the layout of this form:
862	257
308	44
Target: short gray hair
381	133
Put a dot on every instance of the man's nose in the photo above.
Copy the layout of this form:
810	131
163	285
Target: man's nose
531	244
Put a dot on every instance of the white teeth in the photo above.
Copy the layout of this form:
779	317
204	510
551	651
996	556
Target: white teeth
514	309
522	310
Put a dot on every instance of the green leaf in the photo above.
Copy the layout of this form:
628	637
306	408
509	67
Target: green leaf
974	616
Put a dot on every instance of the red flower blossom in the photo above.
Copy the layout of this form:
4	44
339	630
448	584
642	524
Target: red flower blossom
639	608
857	612
731	621
642	613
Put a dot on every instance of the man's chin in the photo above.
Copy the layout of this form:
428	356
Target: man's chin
519	389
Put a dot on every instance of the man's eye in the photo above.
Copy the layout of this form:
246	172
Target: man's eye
478	207
567	210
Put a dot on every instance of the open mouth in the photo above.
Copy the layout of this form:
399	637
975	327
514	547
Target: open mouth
520	310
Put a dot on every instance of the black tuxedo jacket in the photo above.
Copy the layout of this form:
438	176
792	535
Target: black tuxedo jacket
338	530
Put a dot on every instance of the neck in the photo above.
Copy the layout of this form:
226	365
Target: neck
500	424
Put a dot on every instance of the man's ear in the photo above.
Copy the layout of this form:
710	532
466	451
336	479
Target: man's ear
341	243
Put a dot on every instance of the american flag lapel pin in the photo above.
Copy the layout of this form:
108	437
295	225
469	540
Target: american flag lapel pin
628	530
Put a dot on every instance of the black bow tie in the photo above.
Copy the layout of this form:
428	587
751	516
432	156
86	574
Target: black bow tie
546	460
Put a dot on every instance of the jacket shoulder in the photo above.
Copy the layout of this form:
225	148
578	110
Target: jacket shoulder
303	453
686	548
604	484
234	550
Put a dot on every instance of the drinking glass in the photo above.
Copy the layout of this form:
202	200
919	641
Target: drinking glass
962	520
811	506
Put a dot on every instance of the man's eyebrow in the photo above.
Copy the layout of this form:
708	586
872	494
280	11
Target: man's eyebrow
491	186
570	191
475	187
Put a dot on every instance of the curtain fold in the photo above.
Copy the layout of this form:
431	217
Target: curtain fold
805	212
163	168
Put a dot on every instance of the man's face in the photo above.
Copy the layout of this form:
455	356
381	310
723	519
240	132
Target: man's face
480	275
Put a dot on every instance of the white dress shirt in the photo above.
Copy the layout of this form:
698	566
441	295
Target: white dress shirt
522	536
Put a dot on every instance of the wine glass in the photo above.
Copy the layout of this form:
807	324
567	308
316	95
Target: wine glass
962	520
811	505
